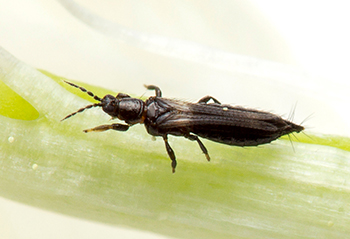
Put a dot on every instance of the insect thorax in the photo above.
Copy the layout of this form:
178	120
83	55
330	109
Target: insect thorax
130	110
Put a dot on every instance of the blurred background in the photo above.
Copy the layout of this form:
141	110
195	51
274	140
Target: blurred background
267	54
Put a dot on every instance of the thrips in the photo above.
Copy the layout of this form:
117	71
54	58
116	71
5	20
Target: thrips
225	124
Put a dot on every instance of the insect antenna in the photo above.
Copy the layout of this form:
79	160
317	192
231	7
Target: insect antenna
86	107
81	110
84	90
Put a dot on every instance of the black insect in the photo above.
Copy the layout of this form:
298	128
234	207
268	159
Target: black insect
220	123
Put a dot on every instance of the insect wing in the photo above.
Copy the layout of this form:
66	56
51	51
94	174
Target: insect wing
188	114
224	123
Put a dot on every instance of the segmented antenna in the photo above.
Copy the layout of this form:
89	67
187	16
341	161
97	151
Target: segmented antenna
84	90
86	107
81	110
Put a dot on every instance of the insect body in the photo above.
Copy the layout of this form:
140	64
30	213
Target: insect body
220	123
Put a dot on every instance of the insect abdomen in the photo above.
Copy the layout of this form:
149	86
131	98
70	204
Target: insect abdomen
246	135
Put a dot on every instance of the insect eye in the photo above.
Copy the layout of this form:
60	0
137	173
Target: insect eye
110	107
109	104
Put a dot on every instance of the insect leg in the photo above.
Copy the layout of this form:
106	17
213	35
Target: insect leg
156	88
122	95
201	145
205	99
170	153
119	127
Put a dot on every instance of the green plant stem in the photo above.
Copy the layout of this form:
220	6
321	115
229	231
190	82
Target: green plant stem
125	178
